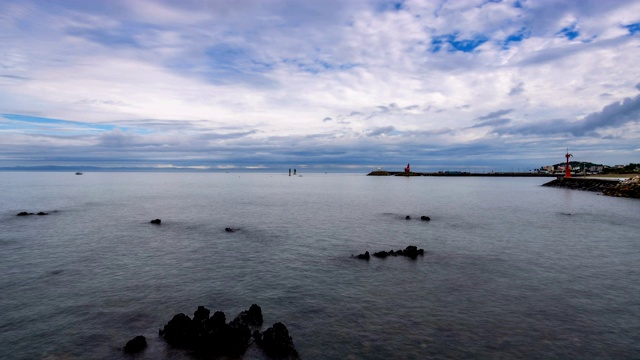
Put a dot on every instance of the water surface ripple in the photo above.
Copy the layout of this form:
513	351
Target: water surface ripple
512	269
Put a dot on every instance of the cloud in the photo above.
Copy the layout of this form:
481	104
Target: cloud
496	114
614	115
237	83
519	89
380	131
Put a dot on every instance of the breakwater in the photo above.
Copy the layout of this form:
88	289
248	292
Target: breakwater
492	174
609	187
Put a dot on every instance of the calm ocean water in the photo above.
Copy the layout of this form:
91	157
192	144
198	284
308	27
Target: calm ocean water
512	269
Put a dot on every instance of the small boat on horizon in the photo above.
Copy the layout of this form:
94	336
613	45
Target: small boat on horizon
78	173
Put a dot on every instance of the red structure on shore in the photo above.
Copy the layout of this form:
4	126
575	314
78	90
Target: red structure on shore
567	169
407	169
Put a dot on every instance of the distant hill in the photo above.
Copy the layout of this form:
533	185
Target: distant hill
580	164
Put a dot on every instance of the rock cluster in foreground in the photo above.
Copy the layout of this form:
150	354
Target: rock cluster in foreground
410	251
213	336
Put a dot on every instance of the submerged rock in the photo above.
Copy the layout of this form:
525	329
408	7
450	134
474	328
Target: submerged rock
230	229
136	344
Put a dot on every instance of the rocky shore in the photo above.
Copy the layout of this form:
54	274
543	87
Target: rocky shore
211	337
613	187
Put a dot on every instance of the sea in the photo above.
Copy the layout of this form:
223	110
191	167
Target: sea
511	270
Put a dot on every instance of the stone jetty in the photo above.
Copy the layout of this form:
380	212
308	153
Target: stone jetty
627	188
610	187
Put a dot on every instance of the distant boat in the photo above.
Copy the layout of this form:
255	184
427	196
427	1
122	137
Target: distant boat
78	173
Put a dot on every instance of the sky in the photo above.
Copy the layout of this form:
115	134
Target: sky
319	85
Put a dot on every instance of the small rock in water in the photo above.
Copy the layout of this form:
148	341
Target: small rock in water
364	256
156	221
136	344
230	229
425	218
408	217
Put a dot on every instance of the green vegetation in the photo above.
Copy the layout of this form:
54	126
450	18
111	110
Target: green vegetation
627	169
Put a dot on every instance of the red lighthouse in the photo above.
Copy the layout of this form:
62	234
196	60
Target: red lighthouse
567	169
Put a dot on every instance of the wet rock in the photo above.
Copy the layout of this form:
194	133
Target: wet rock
407	217
277	343
24	213
410	251
178	331
230	229
425	218
42	213
251	317
156	221
235	338
209	336
381	254
627	188
217	320
136	345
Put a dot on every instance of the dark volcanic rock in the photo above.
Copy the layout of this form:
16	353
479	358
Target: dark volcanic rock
24	213
217	320
410	251
136	344
230	229
381	254
178	331
425	218
156	221
251	317
209	336
407	217
277	343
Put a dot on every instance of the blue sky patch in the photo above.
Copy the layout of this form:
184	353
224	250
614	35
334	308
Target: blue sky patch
633	28
569	32
516	37
464	45
390	6
105	37
32	123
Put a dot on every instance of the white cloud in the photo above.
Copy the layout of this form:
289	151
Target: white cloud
294	70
